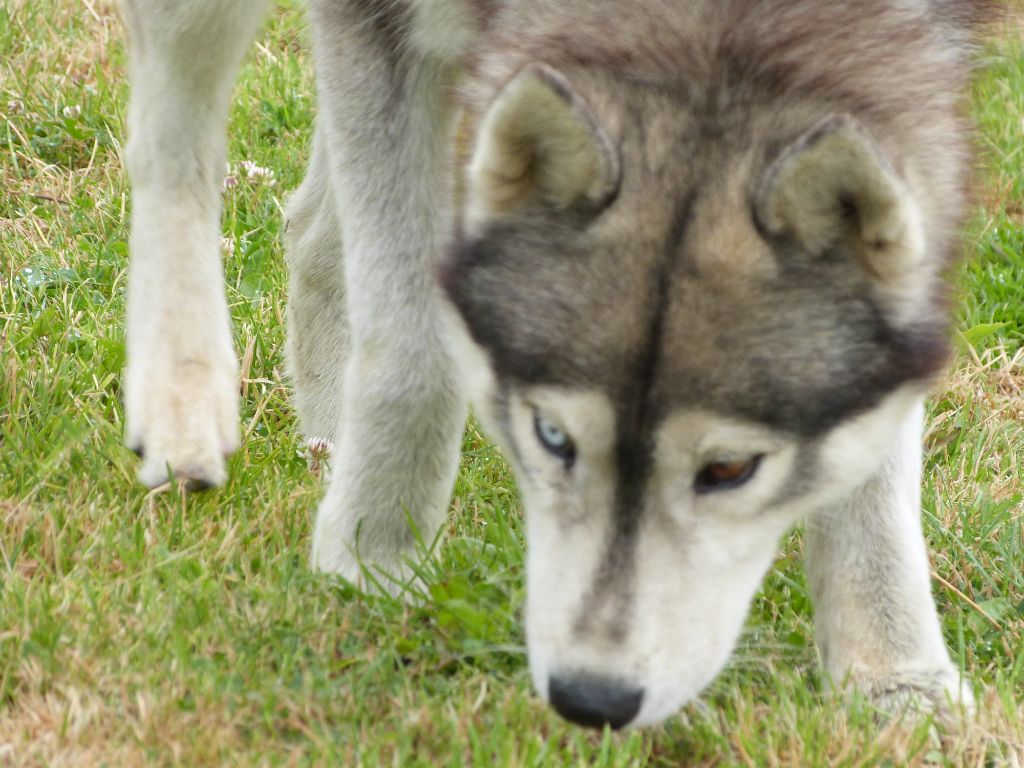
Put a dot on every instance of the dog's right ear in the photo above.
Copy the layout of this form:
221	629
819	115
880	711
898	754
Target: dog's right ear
538	146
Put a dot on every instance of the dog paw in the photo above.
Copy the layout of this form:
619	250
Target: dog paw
939	691
393	576
182	419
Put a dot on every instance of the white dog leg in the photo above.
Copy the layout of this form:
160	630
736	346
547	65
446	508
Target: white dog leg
387	126
318	331
868	568
181	386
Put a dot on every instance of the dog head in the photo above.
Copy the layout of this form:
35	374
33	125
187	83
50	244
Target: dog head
684	340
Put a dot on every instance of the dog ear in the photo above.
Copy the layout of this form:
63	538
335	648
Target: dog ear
834	186
538	146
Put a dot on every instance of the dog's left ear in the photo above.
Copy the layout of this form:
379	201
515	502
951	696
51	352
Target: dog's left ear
835	186
538	146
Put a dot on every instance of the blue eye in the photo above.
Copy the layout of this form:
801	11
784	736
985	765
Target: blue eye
554	439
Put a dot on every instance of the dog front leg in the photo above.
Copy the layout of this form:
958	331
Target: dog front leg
318	328
386	119
181	386
868	568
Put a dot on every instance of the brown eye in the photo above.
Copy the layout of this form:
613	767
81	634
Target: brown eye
725	475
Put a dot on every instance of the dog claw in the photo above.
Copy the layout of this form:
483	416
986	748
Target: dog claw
183	426
195	476
199	485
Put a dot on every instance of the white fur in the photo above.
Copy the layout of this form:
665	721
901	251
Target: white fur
181	385
319	338
700	558
868	570
401	408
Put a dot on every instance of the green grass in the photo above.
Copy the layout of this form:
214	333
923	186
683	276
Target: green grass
154	629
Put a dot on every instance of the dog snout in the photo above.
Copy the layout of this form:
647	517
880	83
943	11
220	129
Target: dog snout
594	702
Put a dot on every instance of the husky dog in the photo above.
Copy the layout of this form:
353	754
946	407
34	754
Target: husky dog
689	269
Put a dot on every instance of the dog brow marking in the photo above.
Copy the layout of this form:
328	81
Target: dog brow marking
635	420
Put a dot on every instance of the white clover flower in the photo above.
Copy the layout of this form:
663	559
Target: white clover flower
254	171
72	111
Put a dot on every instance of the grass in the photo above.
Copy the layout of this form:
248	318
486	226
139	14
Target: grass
156	629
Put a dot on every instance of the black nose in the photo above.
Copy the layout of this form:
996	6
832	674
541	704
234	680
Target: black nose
594	702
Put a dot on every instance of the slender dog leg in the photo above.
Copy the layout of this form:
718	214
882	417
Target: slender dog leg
318	329
181	383
876	621
387	123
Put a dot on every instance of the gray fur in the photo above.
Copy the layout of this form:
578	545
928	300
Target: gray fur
319	340
623	256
